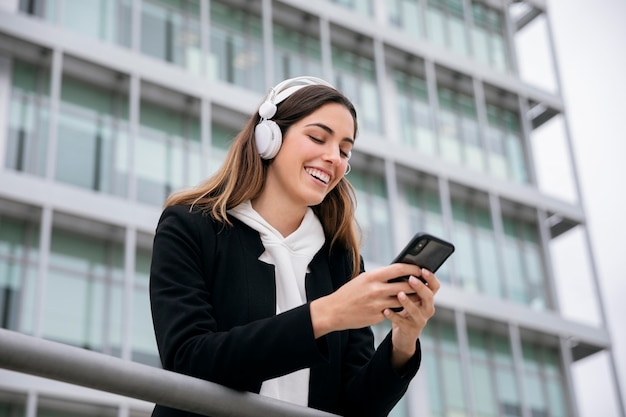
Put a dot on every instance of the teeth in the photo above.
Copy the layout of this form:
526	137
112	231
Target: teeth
322	176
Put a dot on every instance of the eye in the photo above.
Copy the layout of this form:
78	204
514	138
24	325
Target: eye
345	154
314	139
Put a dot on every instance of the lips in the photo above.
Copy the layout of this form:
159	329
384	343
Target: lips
318	174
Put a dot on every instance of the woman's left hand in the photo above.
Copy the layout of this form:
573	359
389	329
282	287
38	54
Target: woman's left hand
407	325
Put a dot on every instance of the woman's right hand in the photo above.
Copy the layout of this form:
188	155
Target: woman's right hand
361	301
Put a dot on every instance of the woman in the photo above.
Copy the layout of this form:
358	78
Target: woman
256	279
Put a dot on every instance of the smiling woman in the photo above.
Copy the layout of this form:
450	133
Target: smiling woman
257	282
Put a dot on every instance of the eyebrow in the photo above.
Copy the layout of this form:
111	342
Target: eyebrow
329	130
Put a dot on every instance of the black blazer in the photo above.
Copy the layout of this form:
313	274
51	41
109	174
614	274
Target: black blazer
214	314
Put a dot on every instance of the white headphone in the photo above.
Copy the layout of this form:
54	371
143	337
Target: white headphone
267	134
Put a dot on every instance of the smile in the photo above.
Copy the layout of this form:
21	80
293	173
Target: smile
320	175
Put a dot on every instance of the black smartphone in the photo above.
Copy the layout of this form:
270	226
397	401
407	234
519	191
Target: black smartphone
426	251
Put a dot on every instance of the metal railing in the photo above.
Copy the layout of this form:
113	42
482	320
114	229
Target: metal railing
44	358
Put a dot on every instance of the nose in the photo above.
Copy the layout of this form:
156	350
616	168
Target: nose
332	154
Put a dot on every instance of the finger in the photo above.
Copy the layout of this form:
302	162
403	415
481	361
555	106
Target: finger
395	287
426	306
410	304
431	280
399	270
425	294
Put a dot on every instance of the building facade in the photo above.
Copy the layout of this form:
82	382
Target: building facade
107	106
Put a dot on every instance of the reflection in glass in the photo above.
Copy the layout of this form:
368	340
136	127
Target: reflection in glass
107	20
168	155
407	15
525	275
92	145
443	369
445	24
458	129
424	211
363	7
295	53
143	342
19	258
84	292
373	216
170	31
27	139
543	381
476	258
414	113
489	37
236	47
221	139
355	76
504	137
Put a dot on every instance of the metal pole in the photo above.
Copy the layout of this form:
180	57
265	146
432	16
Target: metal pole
44	358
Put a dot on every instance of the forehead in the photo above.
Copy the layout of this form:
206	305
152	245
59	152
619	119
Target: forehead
335	116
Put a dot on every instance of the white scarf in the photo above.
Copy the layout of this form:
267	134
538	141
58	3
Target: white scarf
290	256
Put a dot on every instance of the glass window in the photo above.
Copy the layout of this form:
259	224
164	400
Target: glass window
506	382
169	154
19	258
489	37
483	391
363	7
45	9
524	271
92	140
504	137
170	31
27	139
84	292
107	20
144	348
295	53
373	216
406	15
414	112
491	365
236	47
54	407
355	76
424	209
542	380
443	369
458	129
446	25
12	407
475	257
221	139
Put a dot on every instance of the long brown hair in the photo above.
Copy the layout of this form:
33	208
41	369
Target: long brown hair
243	173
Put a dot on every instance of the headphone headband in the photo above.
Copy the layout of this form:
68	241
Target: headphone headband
267	133
286	88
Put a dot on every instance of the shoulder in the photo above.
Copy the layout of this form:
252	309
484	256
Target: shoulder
199	223
185	216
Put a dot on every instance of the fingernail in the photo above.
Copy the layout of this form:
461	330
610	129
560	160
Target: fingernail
402	296
413	280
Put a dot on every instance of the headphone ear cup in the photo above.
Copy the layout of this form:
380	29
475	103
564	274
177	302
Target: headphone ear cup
268	138
267	110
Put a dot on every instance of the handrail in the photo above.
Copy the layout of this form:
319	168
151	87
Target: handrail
48	359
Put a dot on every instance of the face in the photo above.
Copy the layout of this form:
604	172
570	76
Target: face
313	157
